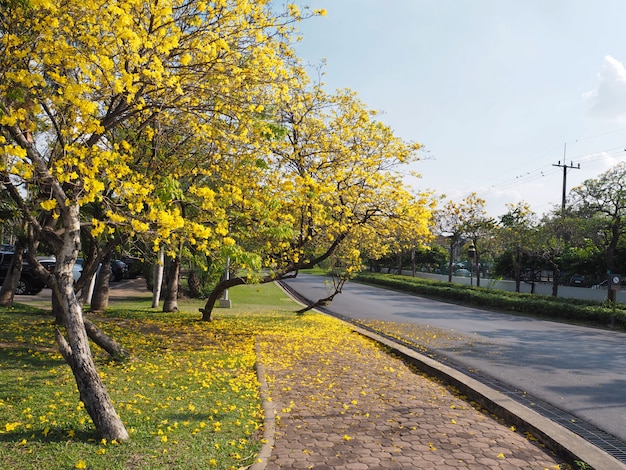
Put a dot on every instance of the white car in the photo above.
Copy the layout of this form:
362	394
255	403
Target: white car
77	269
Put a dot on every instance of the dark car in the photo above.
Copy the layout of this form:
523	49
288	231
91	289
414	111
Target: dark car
579	280
119	270
134	265
29	282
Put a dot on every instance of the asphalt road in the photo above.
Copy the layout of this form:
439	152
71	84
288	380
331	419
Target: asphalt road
580	370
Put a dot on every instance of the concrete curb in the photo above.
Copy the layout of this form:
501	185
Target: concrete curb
269	415
555	437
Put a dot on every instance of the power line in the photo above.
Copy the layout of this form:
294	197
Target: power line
546	170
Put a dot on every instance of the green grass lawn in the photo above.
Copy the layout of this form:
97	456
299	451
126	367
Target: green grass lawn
188	396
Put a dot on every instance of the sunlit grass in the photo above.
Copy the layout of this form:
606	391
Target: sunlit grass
188	396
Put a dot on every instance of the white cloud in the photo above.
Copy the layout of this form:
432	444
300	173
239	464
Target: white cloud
608	99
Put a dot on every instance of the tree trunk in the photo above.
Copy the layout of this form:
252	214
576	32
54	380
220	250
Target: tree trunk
451	261
172	274
517	270
217	293
75	348
104	341
555	280
7	291
100	297
157	279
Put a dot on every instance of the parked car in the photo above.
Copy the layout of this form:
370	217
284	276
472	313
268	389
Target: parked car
77	270
462	272
29	282
134	265
119	270
579	280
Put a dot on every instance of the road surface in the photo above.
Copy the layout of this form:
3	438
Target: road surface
580	370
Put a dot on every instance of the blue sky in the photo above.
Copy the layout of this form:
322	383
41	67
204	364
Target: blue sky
496	90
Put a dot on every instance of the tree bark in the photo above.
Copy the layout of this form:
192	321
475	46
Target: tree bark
477	266
7	291
517	269
556	273
75	348
107	343
100	297
157	279
217	293
451	259
172	275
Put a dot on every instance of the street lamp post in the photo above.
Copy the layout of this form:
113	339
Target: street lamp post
225	301
471	253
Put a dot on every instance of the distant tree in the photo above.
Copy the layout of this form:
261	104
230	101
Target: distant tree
449	224
516	229
603	199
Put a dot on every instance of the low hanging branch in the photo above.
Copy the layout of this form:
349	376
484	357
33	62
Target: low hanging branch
326	300
115	350
288	272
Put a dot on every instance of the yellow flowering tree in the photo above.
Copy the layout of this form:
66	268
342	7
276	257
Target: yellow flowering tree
333	187
80	81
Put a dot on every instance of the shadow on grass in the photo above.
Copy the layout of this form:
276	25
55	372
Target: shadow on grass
47	435
24	309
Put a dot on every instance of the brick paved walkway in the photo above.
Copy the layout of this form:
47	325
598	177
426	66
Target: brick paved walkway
357	407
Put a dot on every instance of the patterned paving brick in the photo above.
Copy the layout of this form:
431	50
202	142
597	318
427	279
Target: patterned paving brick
361	408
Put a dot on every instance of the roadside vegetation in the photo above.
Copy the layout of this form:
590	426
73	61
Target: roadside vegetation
545	307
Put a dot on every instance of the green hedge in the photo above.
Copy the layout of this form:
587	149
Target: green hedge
546	307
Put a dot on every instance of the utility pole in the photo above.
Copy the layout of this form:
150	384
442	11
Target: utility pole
565	167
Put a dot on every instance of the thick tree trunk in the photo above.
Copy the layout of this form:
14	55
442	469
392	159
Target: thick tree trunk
7	291
170	302
100	298
75	348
